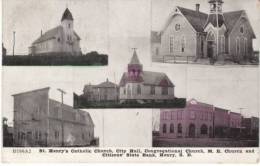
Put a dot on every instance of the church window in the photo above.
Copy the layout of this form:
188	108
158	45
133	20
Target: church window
171	44
164	90
245	45
222	41
237	46
183	44
138	89
157	51
201	45
124	90
242	29
177	27
152	90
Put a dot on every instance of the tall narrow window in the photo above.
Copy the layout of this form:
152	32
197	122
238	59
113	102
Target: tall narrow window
152	90
171	128
164	128
171	44
138	89
183	44
157	51
222	40
179	128
237	46
245	46
164	90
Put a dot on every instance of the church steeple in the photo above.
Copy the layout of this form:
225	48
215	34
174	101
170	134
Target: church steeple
67	15
215	6
135	68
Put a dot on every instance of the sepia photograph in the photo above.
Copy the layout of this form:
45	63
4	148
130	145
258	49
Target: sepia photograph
57	33
213	32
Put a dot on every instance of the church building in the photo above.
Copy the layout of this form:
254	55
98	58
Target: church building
144	86
193	34
60	40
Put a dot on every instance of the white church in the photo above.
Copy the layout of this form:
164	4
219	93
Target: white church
59	40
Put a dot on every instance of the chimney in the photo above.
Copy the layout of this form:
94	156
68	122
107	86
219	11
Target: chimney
41	32
197	7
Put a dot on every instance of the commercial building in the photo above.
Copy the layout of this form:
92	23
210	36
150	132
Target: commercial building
41	121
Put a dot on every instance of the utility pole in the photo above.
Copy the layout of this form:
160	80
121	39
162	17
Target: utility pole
13	41
62	125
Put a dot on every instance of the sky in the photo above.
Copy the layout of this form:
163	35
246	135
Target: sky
162	9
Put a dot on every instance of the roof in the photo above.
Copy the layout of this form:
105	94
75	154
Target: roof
36	90
134	59
212	18
106	84
195	18
149	78
50	34
67	15
195	102
231	18
155	37
221	109
71	109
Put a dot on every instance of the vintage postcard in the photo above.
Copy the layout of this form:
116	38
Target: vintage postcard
132	81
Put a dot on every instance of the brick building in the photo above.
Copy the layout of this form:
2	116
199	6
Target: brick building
41	121
193	34
251	127
221	122
195	120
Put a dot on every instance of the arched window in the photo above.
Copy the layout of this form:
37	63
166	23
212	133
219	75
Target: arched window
211	36
164	128
138	89
171	128
179	128
204	129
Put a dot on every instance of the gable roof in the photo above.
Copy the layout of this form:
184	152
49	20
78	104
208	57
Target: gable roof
67	15
195	18
149	78
50	34
155	37
106	84
231	18
212	18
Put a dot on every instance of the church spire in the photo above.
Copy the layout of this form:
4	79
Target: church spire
134	59
67	15
215	6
